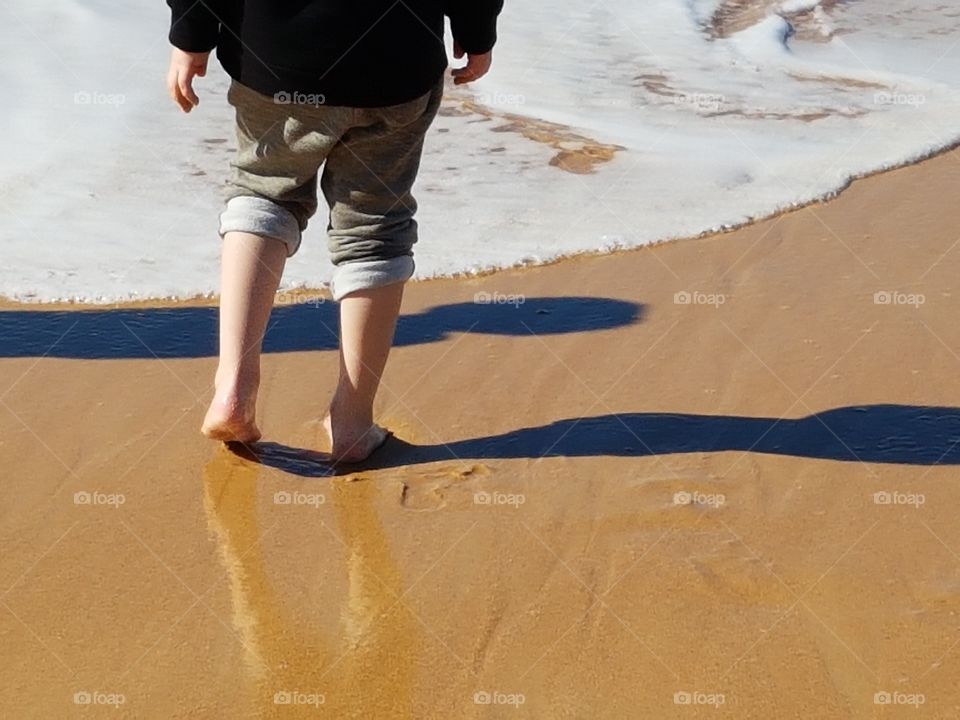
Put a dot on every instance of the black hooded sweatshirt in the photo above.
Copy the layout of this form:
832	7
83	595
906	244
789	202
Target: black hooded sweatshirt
357	53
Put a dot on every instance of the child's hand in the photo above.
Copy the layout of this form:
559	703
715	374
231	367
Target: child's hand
184	66
477	66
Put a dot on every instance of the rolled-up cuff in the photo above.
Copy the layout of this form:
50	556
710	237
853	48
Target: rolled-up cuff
261	216
369	274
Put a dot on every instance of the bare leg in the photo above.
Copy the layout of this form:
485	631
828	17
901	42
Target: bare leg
368	319
251	270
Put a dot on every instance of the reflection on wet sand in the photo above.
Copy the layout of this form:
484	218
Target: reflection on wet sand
368	667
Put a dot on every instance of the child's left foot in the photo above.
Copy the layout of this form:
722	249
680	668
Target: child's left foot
231	420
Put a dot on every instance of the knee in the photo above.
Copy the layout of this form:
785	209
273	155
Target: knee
371	255
262	216
370	274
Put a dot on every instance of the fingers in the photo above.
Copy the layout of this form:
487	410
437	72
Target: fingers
180	86
183	68
477	66
185	86
181	91
457	50
173	86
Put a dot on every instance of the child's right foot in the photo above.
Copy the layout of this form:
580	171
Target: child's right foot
231	420
353	444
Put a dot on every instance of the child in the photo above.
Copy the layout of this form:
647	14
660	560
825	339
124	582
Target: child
341	88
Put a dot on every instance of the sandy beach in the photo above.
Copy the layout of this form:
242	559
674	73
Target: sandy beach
709	478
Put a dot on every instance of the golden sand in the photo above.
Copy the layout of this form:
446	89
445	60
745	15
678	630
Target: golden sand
576	153
600	506
733	16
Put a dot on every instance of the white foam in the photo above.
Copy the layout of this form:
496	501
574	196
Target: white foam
798	6
113	194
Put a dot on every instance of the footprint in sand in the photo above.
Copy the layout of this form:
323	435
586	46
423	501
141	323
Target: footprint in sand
430	490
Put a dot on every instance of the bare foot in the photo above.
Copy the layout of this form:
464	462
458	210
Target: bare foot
230	419
353	444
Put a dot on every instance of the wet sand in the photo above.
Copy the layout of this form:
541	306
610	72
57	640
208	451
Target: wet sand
651	481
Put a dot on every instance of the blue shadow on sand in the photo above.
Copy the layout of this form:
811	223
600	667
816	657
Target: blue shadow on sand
895	434
191	332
